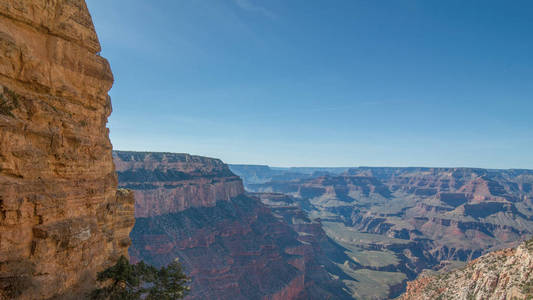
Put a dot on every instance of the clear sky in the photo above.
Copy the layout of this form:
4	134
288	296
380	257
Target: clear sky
323	83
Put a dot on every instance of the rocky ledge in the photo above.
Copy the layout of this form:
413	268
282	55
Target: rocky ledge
504	274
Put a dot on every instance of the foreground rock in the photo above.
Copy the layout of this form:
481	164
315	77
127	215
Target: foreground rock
232	245
61	217
504	274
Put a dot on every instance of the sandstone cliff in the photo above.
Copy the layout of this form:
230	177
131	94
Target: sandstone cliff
234	247
504	274
169	182
61	217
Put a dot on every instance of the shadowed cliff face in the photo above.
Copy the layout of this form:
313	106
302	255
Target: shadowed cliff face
61	218
234	250
425	218
232	245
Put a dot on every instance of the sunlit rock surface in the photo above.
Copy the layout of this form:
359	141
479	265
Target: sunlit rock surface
61	217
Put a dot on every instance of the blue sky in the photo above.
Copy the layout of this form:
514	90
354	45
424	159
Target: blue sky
323	83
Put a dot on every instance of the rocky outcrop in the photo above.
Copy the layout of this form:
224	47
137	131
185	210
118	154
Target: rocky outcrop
169	182
504	274
232	245
61	217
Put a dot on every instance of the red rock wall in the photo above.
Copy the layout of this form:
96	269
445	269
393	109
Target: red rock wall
169	183
61	218
230	244
193	193
235	250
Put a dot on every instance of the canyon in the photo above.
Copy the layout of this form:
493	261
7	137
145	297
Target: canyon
344	233
410	220
62	218
232	245
70	206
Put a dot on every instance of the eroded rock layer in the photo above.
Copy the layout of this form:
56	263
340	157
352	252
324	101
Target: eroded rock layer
61	217
415	218
170	182
230	243
504	274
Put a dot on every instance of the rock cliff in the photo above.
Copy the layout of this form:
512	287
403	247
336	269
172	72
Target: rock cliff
61	217
169	183
232	245
503	274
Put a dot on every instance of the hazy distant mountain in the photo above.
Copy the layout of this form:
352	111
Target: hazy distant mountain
253	174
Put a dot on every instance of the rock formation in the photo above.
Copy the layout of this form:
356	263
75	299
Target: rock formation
426	218
61	217
234	247
503	274
169	183
254	174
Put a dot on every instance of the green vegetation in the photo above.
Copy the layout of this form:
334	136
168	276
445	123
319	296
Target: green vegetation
125	281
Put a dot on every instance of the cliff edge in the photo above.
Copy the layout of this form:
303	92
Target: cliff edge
61	217
503	274
173	182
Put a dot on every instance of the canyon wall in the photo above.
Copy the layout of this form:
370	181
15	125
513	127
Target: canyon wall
232	246
415	218
61	217
169	183
503	274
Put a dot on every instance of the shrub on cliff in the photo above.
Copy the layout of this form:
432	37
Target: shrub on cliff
125	281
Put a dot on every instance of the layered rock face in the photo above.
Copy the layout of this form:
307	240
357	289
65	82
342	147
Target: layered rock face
169	183
231	245
504	274
319	256
61	217
234	250
426	218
